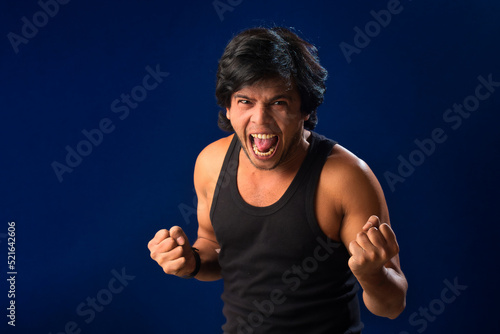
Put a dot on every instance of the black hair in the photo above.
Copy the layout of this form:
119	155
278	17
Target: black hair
266	53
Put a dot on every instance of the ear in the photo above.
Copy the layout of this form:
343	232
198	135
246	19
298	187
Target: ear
228	113
306	117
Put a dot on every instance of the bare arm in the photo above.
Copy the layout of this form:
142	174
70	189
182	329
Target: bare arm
366	232
205	179
171	249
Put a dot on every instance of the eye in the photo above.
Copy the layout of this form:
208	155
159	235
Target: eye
244	101
280	103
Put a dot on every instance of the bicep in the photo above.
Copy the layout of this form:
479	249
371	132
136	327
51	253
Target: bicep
205	229
363	197
206	173
202	183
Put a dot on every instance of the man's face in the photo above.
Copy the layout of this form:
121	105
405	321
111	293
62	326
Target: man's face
267	120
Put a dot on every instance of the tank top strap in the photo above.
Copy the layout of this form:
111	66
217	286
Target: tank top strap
228	169
321	152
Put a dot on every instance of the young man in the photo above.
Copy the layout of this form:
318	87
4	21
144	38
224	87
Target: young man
289	219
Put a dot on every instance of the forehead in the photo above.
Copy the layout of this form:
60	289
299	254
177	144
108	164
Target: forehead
269	88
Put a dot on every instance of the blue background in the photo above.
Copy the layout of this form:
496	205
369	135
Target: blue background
71	235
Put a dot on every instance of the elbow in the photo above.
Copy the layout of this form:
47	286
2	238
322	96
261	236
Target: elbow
400	303
397	308
397	311
391	309
390	303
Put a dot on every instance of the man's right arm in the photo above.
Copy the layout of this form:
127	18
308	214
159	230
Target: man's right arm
171	248
206	173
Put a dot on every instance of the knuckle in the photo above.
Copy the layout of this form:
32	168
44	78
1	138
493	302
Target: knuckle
362	260
178	251
383	254
173	267
372	232
181	263
168	244
167	270
153	255
369	256
173	254
162	233
175	229
395	249
172	262
160	260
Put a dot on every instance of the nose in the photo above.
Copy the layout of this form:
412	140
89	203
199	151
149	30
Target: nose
261	114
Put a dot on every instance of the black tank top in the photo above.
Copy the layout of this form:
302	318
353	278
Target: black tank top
281	273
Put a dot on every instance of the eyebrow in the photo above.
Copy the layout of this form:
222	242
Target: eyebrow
283	96
274	98
241	96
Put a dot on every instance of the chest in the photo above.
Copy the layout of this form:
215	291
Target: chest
261	188
266	188
262	191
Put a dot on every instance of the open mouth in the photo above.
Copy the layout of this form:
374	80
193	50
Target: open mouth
264	144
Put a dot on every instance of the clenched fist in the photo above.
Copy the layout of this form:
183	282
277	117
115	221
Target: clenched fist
374	246
172	250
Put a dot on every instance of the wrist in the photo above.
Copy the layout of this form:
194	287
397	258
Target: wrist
376	277
197	266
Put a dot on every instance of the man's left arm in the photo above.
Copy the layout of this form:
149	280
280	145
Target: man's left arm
367	234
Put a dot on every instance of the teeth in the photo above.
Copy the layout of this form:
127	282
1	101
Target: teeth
262	154
262	135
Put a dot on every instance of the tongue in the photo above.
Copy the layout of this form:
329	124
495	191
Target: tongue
263	145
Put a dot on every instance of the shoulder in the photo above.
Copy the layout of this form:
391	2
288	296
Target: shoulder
210	160
346	188
348	194
214	152
339	157
343	164
346	176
